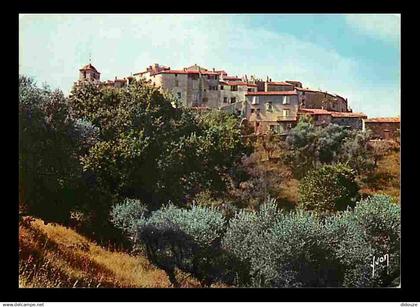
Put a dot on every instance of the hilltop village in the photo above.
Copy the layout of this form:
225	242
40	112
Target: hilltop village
265	104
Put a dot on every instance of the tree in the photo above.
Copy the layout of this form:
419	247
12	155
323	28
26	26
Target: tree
151	150
49	144
309	147
379	149
328	189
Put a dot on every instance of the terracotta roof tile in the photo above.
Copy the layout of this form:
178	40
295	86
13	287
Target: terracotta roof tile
316	111
240	83
279	83
89	67
383	120
181	71
274	93
348	114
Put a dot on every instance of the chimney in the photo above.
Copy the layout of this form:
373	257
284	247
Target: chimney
214	69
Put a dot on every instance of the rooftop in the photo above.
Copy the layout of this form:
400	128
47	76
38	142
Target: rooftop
279	83
89	67
274	93
383	120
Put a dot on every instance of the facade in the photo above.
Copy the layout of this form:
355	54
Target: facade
385	128
323	117
313	99
271	110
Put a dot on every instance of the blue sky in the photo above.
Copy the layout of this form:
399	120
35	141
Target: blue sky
356	56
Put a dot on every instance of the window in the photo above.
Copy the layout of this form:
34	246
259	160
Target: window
258	111
269	106
254	100
221	87
232	100
252	111
179	95
286	112
176	83
225	99
205	99
176	75
234	88
285	100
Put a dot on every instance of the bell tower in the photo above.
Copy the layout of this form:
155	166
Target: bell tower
89	73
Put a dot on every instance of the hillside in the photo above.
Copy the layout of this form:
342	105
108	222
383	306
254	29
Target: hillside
56	256
385	179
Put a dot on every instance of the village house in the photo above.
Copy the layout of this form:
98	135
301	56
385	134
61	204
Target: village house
384	128
275	111
323	117
266	105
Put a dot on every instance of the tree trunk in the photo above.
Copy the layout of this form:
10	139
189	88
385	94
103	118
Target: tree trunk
172	278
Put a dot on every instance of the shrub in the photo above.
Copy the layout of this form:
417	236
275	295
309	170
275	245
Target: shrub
371	229
186	239
328	189
127	214
244	238
281	250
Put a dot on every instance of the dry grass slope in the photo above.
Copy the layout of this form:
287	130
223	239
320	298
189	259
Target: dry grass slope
55	256
386	178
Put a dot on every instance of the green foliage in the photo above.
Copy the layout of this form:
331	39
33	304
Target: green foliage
309	147
188	240
125	215
371	230
149	150
245	238
299	249
49	143
280	250
328	189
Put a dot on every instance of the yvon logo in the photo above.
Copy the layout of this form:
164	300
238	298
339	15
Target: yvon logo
379	260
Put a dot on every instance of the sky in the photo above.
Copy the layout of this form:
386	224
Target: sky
356	56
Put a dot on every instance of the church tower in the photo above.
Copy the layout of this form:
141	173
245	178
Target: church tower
89	73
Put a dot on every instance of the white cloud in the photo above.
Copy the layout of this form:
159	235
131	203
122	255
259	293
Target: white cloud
383	26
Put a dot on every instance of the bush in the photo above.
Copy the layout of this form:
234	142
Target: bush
127	214
244	238
280	250
300	249
371	229
328	189
188	240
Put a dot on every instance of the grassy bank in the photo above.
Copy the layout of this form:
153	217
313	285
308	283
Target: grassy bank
56	256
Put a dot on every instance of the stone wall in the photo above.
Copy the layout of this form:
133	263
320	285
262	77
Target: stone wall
383	130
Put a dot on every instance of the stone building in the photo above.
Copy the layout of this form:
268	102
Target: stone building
271	110
89	73
313	99
278	86
385	128
323	117
193	86
267	105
